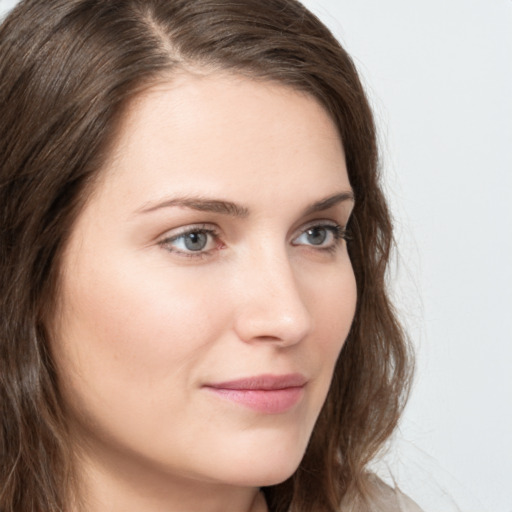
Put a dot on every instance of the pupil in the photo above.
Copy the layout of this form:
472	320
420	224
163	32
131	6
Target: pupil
195	241
317	236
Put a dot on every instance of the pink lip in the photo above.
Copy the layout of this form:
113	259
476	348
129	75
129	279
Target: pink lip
271	394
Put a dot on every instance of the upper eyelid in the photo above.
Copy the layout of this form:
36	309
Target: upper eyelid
189	228
319	222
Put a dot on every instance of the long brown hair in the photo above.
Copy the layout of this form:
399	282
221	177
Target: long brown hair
68	69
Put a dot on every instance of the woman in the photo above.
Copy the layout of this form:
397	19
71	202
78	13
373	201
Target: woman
194	243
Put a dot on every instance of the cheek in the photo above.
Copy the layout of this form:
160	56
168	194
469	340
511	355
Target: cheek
332	301
131	333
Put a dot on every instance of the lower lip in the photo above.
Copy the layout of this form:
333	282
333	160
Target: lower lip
269	401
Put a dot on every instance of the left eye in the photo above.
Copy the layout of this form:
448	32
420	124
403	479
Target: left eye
324	236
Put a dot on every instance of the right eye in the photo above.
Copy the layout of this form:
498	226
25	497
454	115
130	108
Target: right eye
194	241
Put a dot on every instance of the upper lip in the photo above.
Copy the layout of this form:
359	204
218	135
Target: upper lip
263	382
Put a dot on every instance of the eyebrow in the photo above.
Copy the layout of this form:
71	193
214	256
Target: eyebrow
201	204
236	210
329	202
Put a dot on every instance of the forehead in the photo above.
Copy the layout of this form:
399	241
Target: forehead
221	130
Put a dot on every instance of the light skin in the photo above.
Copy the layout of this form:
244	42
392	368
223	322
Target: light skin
210	250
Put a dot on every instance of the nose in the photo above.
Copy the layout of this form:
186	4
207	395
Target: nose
270	304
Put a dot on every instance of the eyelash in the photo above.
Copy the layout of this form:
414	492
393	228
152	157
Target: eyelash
338	232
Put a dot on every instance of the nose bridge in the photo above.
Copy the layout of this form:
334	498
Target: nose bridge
271	304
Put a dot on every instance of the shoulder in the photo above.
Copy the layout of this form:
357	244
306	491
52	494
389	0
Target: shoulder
384	498
380	497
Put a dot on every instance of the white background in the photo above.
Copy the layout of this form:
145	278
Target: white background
440	77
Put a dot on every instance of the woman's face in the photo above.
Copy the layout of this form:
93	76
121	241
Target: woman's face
206	289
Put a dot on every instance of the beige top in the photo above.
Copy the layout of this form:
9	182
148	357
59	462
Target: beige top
383	499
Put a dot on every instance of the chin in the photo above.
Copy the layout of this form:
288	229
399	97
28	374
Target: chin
277	476
264	467
264	476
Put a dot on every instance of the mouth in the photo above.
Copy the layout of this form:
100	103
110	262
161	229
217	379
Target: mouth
269	394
